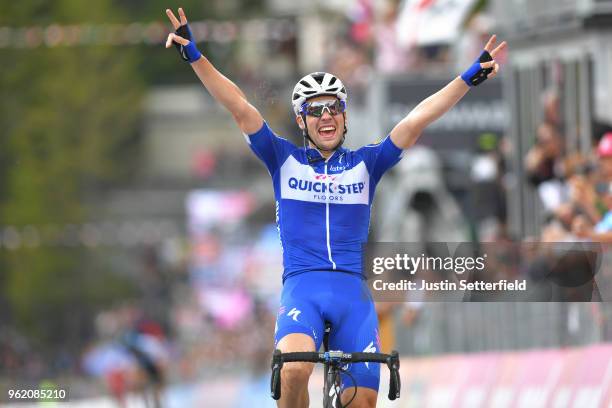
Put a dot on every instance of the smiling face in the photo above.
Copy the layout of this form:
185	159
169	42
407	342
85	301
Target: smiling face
327	130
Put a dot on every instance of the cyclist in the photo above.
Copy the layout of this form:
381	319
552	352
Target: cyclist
323	195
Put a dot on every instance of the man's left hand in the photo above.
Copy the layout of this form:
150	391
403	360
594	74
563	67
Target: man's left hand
485	67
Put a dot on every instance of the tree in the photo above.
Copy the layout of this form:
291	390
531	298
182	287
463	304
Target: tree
67	114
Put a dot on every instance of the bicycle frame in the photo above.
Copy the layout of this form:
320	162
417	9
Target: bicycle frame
331	398
330	373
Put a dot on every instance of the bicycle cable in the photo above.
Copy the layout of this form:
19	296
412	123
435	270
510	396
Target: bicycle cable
344	370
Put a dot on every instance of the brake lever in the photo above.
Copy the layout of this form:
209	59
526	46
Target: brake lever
394	378
275	380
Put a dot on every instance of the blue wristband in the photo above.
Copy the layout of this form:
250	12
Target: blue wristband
475	75
190	51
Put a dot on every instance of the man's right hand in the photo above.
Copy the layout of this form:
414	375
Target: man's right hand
182	37
224	91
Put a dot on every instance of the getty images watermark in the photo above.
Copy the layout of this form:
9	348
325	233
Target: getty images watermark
459	265
488	272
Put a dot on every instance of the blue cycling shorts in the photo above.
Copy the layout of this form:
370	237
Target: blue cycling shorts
310	299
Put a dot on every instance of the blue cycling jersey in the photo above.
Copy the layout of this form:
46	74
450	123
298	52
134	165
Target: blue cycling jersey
322	208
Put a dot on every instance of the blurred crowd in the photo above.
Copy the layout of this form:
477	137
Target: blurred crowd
575	188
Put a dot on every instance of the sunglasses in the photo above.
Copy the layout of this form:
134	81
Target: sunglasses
316	109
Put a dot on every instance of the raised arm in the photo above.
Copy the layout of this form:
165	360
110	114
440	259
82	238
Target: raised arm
226	92
408	130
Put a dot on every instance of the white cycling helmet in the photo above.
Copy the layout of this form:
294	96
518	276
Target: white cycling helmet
316	84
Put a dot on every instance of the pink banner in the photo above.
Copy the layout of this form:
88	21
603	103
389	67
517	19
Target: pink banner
580	378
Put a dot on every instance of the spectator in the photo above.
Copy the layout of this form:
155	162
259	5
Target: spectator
488	201
604	151
390	57
583	197
602	231
542	163
559	226
541	158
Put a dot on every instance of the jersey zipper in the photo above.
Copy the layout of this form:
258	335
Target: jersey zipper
329	254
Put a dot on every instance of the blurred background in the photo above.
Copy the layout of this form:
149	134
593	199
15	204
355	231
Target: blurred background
139	258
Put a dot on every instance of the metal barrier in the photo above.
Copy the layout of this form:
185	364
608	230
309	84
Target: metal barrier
476	327
521	17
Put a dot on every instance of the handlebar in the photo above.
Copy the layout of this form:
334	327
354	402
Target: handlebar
336	357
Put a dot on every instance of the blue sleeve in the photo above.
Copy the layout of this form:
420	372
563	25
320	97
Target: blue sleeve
271	149
380	157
